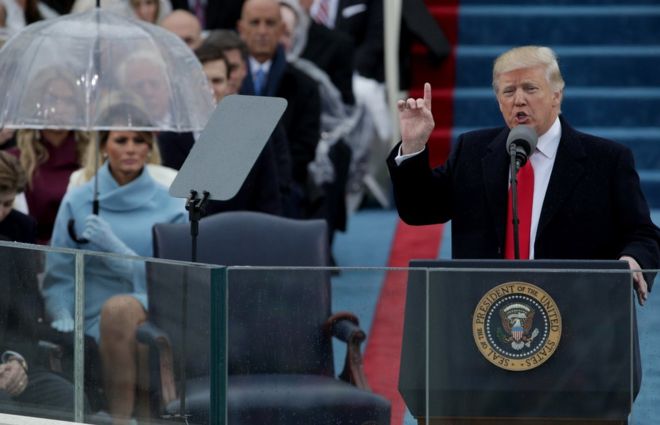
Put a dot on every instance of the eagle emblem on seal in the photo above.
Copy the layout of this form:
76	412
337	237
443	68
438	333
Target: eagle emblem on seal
517	322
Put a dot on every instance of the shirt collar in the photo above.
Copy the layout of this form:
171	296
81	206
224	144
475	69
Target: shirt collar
549	141
254	65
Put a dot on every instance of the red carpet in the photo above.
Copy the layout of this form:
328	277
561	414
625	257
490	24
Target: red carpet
383	351
381	359
442	79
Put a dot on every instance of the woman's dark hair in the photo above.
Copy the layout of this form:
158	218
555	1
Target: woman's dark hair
129	115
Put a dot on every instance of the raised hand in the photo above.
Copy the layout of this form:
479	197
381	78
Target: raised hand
415	121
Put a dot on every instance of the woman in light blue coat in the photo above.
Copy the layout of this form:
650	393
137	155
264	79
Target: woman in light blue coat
131	202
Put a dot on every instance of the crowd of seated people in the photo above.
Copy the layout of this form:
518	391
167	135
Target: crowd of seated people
295	141
239	45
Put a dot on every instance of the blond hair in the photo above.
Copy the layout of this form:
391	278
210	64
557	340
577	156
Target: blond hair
34	153
529	57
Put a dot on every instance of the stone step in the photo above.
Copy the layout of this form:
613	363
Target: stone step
589	66
596	25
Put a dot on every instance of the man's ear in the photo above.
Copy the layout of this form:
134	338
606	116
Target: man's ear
557	97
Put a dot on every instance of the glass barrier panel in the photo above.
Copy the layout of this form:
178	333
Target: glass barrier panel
440	343
75	315
177	364
315	346
529	342
32	379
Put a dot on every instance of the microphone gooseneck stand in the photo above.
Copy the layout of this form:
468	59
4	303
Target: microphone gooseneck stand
514	165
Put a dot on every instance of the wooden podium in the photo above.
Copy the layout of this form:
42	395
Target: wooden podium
519	343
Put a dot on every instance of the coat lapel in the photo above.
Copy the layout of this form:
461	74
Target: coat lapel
566	172
495	165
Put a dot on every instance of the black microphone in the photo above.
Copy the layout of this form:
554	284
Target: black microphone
523	139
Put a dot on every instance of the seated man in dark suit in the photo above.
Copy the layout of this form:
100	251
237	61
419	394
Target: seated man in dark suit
584	195
236	52
269	74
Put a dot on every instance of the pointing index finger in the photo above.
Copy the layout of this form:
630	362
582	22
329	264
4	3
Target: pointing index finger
427	95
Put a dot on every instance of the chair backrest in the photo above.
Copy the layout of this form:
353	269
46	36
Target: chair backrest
275	317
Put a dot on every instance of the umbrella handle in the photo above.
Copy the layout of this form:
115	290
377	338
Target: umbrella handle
72	232
71	225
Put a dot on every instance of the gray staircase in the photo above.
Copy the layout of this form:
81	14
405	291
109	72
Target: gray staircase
609	53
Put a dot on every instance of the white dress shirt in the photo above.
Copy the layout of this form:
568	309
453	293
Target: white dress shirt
255	65
543	159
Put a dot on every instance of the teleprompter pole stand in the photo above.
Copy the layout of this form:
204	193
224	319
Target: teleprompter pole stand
217	166
196	207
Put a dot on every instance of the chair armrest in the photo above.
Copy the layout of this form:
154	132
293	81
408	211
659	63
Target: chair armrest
150	334
344	326
157	339
53	354
52	346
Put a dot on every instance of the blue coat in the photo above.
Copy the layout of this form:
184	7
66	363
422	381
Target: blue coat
131	210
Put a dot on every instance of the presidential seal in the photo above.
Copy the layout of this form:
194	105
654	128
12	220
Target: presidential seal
517	326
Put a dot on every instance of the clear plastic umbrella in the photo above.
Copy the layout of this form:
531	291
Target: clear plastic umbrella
70	72
67	72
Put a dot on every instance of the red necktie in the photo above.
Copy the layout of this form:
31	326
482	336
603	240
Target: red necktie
525	200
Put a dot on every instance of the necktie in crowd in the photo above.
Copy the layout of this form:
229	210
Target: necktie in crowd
322	15
259	80
199	11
